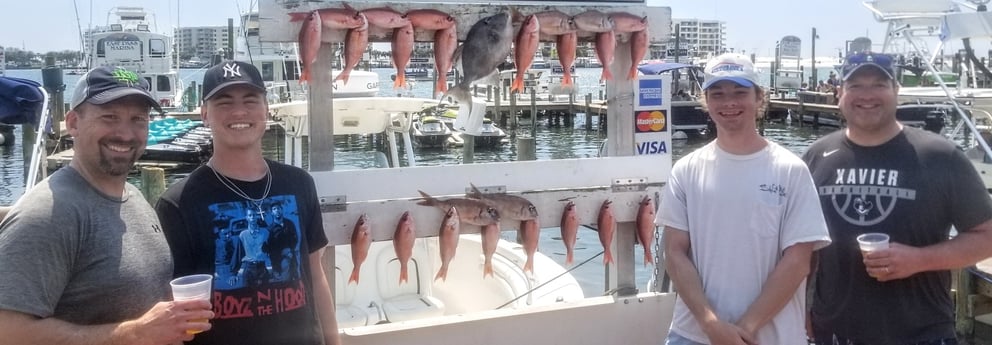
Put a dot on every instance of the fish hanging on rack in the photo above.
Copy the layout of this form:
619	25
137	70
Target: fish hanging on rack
428	19
567	44
646	227
402	49
333	18
606	43
486	46
385	18
361	239
593	21
403	240
490	240
524	48
530	232
606	226
626	22
355	42
309	43
638	47
569	231
508	206
448	240
470	211
445	43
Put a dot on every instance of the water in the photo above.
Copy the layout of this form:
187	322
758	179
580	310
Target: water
357	152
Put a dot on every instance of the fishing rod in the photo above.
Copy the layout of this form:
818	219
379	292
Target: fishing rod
528	292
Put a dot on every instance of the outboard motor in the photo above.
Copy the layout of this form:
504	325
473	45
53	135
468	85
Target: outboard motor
935	121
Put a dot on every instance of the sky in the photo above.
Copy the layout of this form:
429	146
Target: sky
753	26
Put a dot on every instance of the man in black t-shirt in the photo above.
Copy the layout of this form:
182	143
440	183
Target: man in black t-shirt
879	176
254	301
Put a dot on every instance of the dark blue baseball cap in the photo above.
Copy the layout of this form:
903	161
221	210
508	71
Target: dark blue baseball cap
857	61
106	84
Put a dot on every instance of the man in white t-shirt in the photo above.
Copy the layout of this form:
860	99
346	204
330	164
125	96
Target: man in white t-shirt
742	219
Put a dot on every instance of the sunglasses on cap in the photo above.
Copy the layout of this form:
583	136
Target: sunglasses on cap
854	62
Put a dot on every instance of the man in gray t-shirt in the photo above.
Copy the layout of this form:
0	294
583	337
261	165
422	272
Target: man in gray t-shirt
82	254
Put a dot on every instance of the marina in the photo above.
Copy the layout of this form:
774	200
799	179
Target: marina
371	152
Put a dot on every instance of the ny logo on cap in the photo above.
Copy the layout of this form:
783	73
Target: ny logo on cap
232	70
125	76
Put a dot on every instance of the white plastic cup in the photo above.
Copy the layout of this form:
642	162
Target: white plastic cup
873	241
192	287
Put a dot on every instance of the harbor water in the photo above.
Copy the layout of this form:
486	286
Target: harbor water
553	142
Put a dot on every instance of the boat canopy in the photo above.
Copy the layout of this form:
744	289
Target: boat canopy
661	67
966	25
21	101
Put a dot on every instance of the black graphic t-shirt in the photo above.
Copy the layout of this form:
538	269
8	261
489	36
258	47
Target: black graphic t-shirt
257	250
913	188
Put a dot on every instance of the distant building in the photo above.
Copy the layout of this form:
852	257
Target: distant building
200	41
699	38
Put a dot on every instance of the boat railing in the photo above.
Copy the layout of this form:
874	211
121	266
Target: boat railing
967	25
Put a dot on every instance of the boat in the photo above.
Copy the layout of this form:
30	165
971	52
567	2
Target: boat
688	115
429	131
919	24
128	41
490	135
378	298
467	308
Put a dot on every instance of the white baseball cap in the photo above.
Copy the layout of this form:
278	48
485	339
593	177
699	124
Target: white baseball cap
733	67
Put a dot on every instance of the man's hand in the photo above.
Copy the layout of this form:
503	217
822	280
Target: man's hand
723	333
896	262
169	322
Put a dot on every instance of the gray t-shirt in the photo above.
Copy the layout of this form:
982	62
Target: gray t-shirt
70	252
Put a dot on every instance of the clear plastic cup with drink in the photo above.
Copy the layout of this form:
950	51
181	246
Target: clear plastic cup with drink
873	241
192	287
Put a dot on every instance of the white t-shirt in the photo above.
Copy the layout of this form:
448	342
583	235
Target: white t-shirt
741	213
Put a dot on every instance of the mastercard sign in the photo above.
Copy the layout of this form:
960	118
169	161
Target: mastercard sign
651	121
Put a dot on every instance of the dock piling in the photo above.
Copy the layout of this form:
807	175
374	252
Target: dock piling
152	183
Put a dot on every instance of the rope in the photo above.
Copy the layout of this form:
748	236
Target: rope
528	292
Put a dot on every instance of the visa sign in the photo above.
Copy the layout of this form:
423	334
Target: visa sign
652	147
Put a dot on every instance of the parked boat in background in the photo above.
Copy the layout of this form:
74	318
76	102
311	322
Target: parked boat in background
687	115
429	131
128	41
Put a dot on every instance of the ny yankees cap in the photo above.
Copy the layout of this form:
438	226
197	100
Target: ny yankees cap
230	73
106	84
733	67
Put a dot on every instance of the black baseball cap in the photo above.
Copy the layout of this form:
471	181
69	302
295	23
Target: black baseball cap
230	73
106	84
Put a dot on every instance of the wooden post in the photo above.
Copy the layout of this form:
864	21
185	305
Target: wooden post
526	149
802	109
588	111
511	115
963	289
468	148
533	113
498	108
152	183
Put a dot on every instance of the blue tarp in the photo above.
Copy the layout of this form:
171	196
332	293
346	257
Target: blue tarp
20	101
661	67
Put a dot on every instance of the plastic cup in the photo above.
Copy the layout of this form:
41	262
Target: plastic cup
873	241
192	287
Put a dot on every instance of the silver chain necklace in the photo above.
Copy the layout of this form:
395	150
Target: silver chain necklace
234	188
